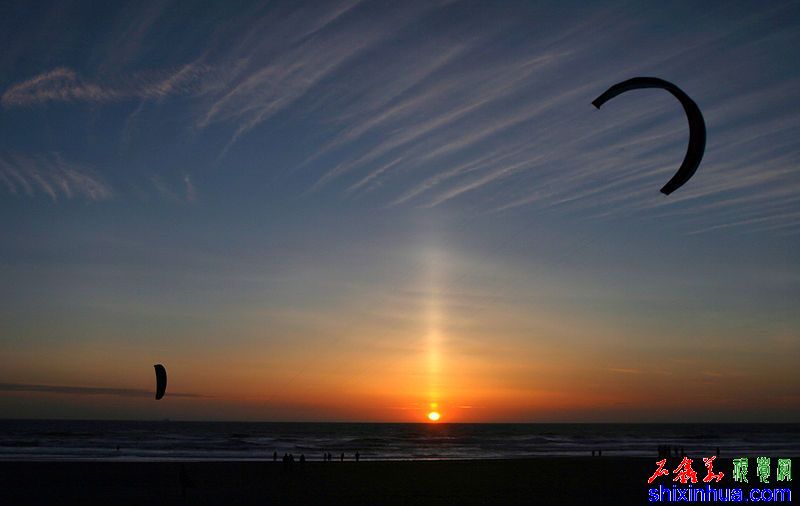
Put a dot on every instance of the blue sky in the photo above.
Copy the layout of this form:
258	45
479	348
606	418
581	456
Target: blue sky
421	189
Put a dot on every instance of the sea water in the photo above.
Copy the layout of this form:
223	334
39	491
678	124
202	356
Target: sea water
140	440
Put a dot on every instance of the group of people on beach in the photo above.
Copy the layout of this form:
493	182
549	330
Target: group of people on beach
328	456
288	458
675	451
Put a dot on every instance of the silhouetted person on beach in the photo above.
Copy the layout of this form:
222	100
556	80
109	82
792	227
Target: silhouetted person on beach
302	459
341	457
274	456
357	455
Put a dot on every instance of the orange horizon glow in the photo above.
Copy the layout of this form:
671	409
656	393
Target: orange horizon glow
491	383
432	350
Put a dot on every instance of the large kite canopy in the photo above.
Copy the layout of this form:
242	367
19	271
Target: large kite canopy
161	381
697	127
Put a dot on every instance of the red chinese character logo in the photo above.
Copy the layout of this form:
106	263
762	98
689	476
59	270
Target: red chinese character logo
710	466
660	471
685	472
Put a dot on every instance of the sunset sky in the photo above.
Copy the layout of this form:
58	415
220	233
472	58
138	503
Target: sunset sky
354	211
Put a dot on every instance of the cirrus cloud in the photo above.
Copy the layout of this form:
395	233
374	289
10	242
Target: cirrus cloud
65	85
52	176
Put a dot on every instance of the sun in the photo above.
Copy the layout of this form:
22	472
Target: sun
434	416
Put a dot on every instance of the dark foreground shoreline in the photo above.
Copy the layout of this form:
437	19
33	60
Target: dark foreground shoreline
568	480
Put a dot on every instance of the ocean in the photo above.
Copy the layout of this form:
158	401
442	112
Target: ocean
159	441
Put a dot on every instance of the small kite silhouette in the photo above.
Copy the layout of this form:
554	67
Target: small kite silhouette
161	381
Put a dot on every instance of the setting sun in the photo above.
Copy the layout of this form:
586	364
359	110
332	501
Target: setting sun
434	416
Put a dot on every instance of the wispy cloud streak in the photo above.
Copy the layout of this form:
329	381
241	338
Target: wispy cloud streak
270	81
52	176
65	85
183	192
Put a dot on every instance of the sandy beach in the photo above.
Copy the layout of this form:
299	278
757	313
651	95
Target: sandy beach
603	480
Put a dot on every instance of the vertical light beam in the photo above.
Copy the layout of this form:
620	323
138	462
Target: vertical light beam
433	324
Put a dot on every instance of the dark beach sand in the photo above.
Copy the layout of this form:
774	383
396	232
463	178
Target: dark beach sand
578	481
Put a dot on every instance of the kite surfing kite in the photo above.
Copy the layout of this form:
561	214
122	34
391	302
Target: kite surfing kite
697	127
161	381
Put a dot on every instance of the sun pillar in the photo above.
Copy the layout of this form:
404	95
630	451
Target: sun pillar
433	330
